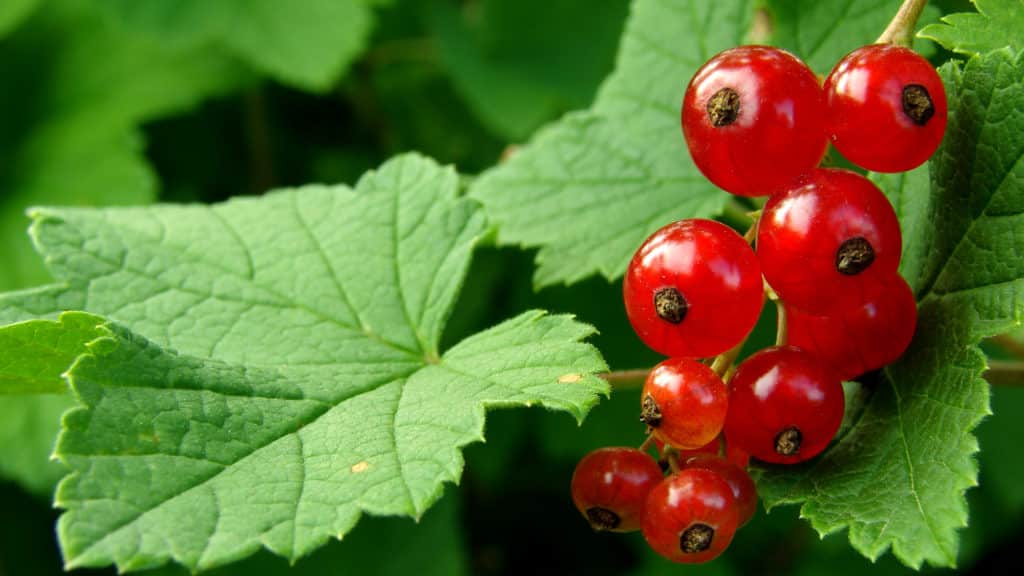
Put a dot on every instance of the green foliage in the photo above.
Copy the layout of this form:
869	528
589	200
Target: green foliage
588	189
258	373
34	354
515	63
73	139
300	382
12	12
898	477
823	32
262	32
997	24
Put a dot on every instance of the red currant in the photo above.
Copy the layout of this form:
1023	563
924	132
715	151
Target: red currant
610	486
693	289
855	340
691	516
886	108
714	448
754	119
743	488
684	403
784	406
823	241
736	455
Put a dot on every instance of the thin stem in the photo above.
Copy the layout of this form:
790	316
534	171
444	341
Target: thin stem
1008	343
1005	373
901	29
671	455
782	329
648	442
626	378
751	233
725	360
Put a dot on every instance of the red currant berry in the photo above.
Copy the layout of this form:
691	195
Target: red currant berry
754	119
693	289
610	486
737	456
825	240
713	448
861	338
743	488
784	406
691	516
886	108
684	403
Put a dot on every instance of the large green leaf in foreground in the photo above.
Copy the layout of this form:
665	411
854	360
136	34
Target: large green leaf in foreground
272	368
897	478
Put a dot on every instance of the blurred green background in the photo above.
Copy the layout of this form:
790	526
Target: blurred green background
122	102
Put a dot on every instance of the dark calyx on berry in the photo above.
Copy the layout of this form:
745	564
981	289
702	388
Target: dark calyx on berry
696	538
723	107
650	412
670	305
917	104
854	256
602	518
787	442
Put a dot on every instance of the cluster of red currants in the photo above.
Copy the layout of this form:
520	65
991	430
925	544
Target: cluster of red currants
757	123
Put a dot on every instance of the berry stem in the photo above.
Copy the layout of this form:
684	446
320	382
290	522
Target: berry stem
900	30
1009	344
1005	373
626	378
671	455
725	360
646	445
781	331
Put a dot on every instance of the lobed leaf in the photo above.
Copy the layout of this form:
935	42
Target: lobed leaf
897	478
995	25
272	370
35	354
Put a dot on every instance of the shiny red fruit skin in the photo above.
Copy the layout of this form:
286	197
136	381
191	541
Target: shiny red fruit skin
863	337
714	448
616	479
866	118
779	131
780	389
716	272
688	497
802	229
689	400
743	488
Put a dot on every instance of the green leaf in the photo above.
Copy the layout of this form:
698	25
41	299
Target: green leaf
307	43
430	547
821	32
35	354
28	427
517	70
909	194
275	369
73	139
997	24
588	189
897	478
13	12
